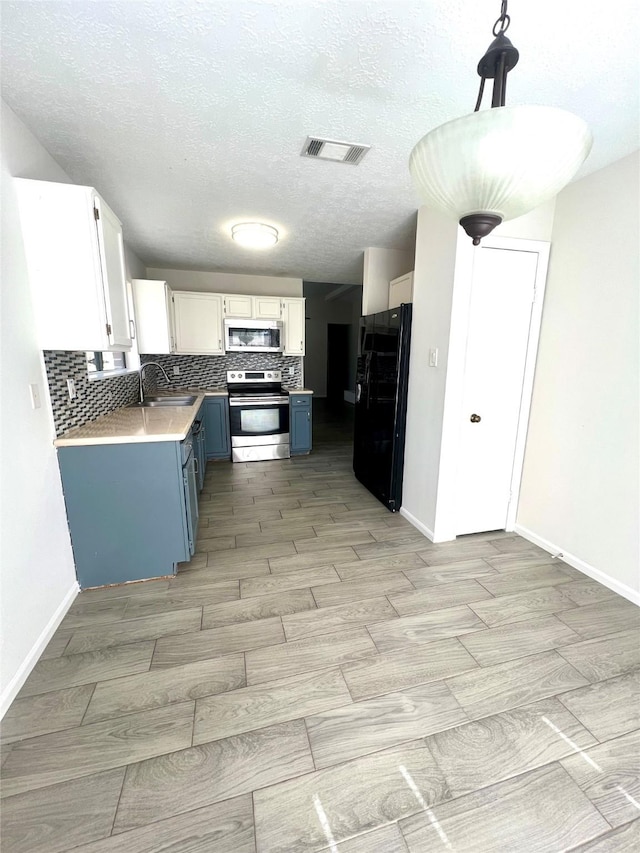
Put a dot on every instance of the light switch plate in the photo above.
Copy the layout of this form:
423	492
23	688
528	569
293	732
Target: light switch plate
176	371
433	357
34	391
71	387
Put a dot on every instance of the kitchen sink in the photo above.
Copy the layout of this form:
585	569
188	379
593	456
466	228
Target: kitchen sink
152	402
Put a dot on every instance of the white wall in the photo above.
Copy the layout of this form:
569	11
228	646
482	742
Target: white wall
37	574
442	276
354	334
135	267
433	280
224	282
380	266
580	482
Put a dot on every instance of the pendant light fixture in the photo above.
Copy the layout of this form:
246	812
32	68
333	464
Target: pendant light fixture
494	165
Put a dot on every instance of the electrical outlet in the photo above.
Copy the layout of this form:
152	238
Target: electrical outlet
71	388
291	371
35	395
176	371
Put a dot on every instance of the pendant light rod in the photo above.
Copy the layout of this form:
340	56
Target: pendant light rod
500	58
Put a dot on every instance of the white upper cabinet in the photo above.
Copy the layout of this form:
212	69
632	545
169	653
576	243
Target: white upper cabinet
294	331
114	277
401	290
237	306
267	307
198	323
153	316
75	256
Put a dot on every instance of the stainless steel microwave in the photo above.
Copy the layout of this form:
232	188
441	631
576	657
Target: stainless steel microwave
253	336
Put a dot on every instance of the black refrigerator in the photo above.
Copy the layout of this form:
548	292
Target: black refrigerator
382	380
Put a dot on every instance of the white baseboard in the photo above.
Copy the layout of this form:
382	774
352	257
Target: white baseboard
13	687
596	574
417	524
430	534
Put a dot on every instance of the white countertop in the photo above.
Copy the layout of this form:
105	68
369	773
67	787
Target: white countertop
132	425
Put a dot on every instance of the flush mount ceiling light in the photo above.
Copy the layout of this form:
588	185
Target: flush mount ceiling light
494	165
254	235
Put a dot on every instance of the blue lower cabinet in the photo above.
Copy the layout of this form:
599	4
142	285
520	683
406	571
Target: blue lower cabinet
300	425
201	455
216	423
190	485
199	434
127	510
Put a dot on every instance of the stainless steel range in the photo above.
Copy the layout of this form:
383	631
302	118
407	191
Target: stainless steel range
259	414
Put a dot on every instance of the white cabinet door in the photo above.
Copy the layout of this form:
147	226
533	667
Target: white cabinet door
153	316
198	323
76	267
267	307
401	290
237	305
293	317
114	282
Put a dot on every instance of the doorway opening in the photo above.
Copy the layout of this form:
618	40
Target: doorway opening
337	363
333	415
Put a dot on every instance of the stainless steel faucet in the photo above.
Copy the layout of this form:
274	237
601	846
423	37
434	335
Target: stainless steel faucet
141	375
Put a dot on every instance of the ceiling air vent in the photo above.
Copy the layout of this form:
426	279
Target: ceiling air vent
332	149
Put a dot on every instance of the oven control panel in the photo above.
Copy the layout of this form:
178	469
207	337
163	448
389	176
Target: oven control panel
254	376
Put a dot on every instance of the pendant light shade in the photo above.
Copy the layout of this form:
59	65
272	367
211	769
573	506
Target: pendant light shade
500	162
490	166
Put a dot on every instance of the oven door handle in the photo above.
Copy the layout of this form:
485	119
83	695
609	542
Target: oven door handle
278	401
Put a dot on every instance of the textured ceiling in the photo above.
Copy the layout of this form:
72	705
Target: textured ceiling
189	115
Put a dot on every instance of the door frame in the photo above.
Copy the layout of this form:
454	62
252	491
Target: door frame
445	519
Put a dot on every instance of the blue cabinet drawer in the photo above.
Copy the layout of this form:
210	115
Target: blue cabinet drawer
300	401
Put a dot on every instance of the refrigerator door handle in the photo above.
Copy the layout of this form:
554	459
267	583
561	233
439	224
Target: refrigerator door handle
358	392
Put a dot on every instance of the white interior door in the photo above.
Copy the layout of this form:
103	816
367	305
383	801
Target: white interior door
502	295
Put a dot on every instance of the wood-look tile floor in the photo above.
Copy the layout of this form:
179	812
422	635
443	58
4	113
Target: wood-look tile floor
321	677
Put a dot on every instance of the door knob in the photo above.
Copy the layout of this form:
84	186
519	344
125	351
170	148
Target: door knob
475	419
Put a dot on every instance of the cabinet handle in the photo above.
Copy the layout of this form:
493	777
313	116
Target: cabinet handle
195	462
132	329
308	416
219	343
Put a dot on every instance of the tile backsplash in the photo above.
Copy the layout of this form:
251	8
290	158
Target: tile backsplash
93	398
207	371
101	396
